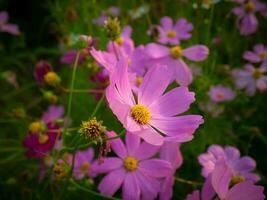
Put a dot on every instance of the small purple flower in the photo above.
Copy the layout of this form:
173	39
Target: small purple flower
247	21
218	183
172	34
42	67
259	54
241	167
172	58
251	78
69	57
135	169
6	27
83	164
221	93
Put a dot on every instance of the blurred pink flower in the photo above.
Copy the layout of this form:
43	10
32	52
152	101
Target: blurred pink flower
247	21
251	78
42	67
170	33
135	169
259	54
153	111
239	166
172	58
40	143
221	93
6	27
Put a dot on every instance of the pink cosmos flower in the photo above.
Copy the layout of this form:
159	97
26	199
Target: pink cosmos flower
172	58
83	164
241	167
42	67
251	78
259	54
218	185
40	143
6	27
247	22
221	93
152	115
134	169
170	151
172	34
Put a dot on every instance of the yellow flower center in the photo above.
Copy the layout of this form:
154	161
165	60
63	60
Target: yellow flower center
139	81
51	78
257	73
263	55
130	163
35	127
43	138
85	166
140	114
119	41
171	34
249	6
237	179
176	52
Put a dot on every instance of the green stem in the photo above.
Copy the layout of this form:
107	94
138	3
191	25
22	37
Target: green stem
72	84
97	106
181	180
91	191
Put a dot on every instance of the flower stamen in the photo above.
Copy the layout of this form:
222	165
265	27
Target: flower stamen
130	163
140	114
176	52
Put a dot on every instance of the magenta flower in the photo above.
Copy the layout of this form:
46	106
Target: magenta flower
251	78
170	151
70	55
221	93
40	143
173	34
172	58
83	164
247	22
154	114
134	169
259	54
241	167
217	185
42	67
6	27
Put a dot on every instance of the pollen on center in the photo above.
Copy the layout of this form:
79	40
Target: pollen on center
171	34
130	163
176	52
140	114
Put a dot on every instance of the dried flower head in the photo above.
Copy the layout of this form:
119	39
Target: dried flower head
93	130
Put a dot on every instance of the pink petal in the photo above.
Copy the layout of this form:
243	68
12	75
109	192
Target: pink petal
151	136
248	24
166	22
146	151
170	151
132	143
251	56
183	74
117	145
3	17
155	167
231	153
174	102
196	53
11	28
207	191
221	178
109	164
105	59
155	51
194	196
130	188
245	164
154	84
149	186
246	190
112	182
